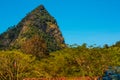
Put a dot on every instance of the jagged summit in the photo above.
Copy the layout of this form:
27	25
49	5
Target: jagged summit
37	23
40	8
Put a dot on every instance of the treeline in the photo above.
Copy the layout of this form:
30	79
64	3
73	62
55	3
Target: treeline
73	61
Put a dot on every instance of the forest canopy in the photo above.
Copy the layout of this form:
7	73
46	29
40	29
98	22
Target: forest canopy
69	62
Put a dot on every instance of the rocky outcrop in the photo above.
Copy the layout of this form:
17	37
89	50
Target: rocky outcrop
37	22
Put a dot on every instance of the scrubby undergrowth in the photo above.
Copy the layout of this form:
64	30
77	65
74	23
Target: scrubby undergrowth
70	62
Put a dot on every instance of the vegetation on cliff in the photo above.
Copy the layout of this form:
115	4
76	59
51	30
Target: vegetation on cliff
37	23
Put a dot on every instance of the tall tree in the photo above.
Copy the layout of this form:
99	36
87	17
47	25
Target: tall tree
35	45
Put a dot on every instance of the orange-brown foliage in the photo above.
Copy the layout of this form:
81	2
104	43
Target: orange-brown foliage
35	46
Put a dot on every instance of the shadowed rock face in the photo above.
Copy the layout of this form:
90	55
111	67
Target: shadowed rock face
37	22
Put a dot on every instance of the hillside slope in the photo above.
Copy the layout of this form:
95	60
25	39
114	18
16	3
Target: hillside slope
37	25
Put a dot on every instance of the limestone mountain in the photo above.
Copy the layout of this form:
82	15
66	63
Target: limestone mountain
38	28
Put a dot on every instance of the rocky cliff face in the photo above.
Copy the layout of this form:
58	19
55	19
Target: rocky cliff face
37	22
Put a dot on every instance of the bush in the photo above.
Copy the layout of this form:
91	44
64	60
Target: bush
15	65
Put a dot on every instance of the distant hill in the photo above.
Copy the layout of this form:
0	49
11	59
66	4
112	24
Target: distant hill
37	32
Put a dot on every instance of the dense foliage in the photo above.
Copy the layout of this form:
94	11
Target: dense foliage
73	61
15	65
82	61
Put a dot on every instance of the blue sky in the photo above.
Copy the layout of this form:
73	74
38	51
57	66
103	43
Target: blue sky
81	21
